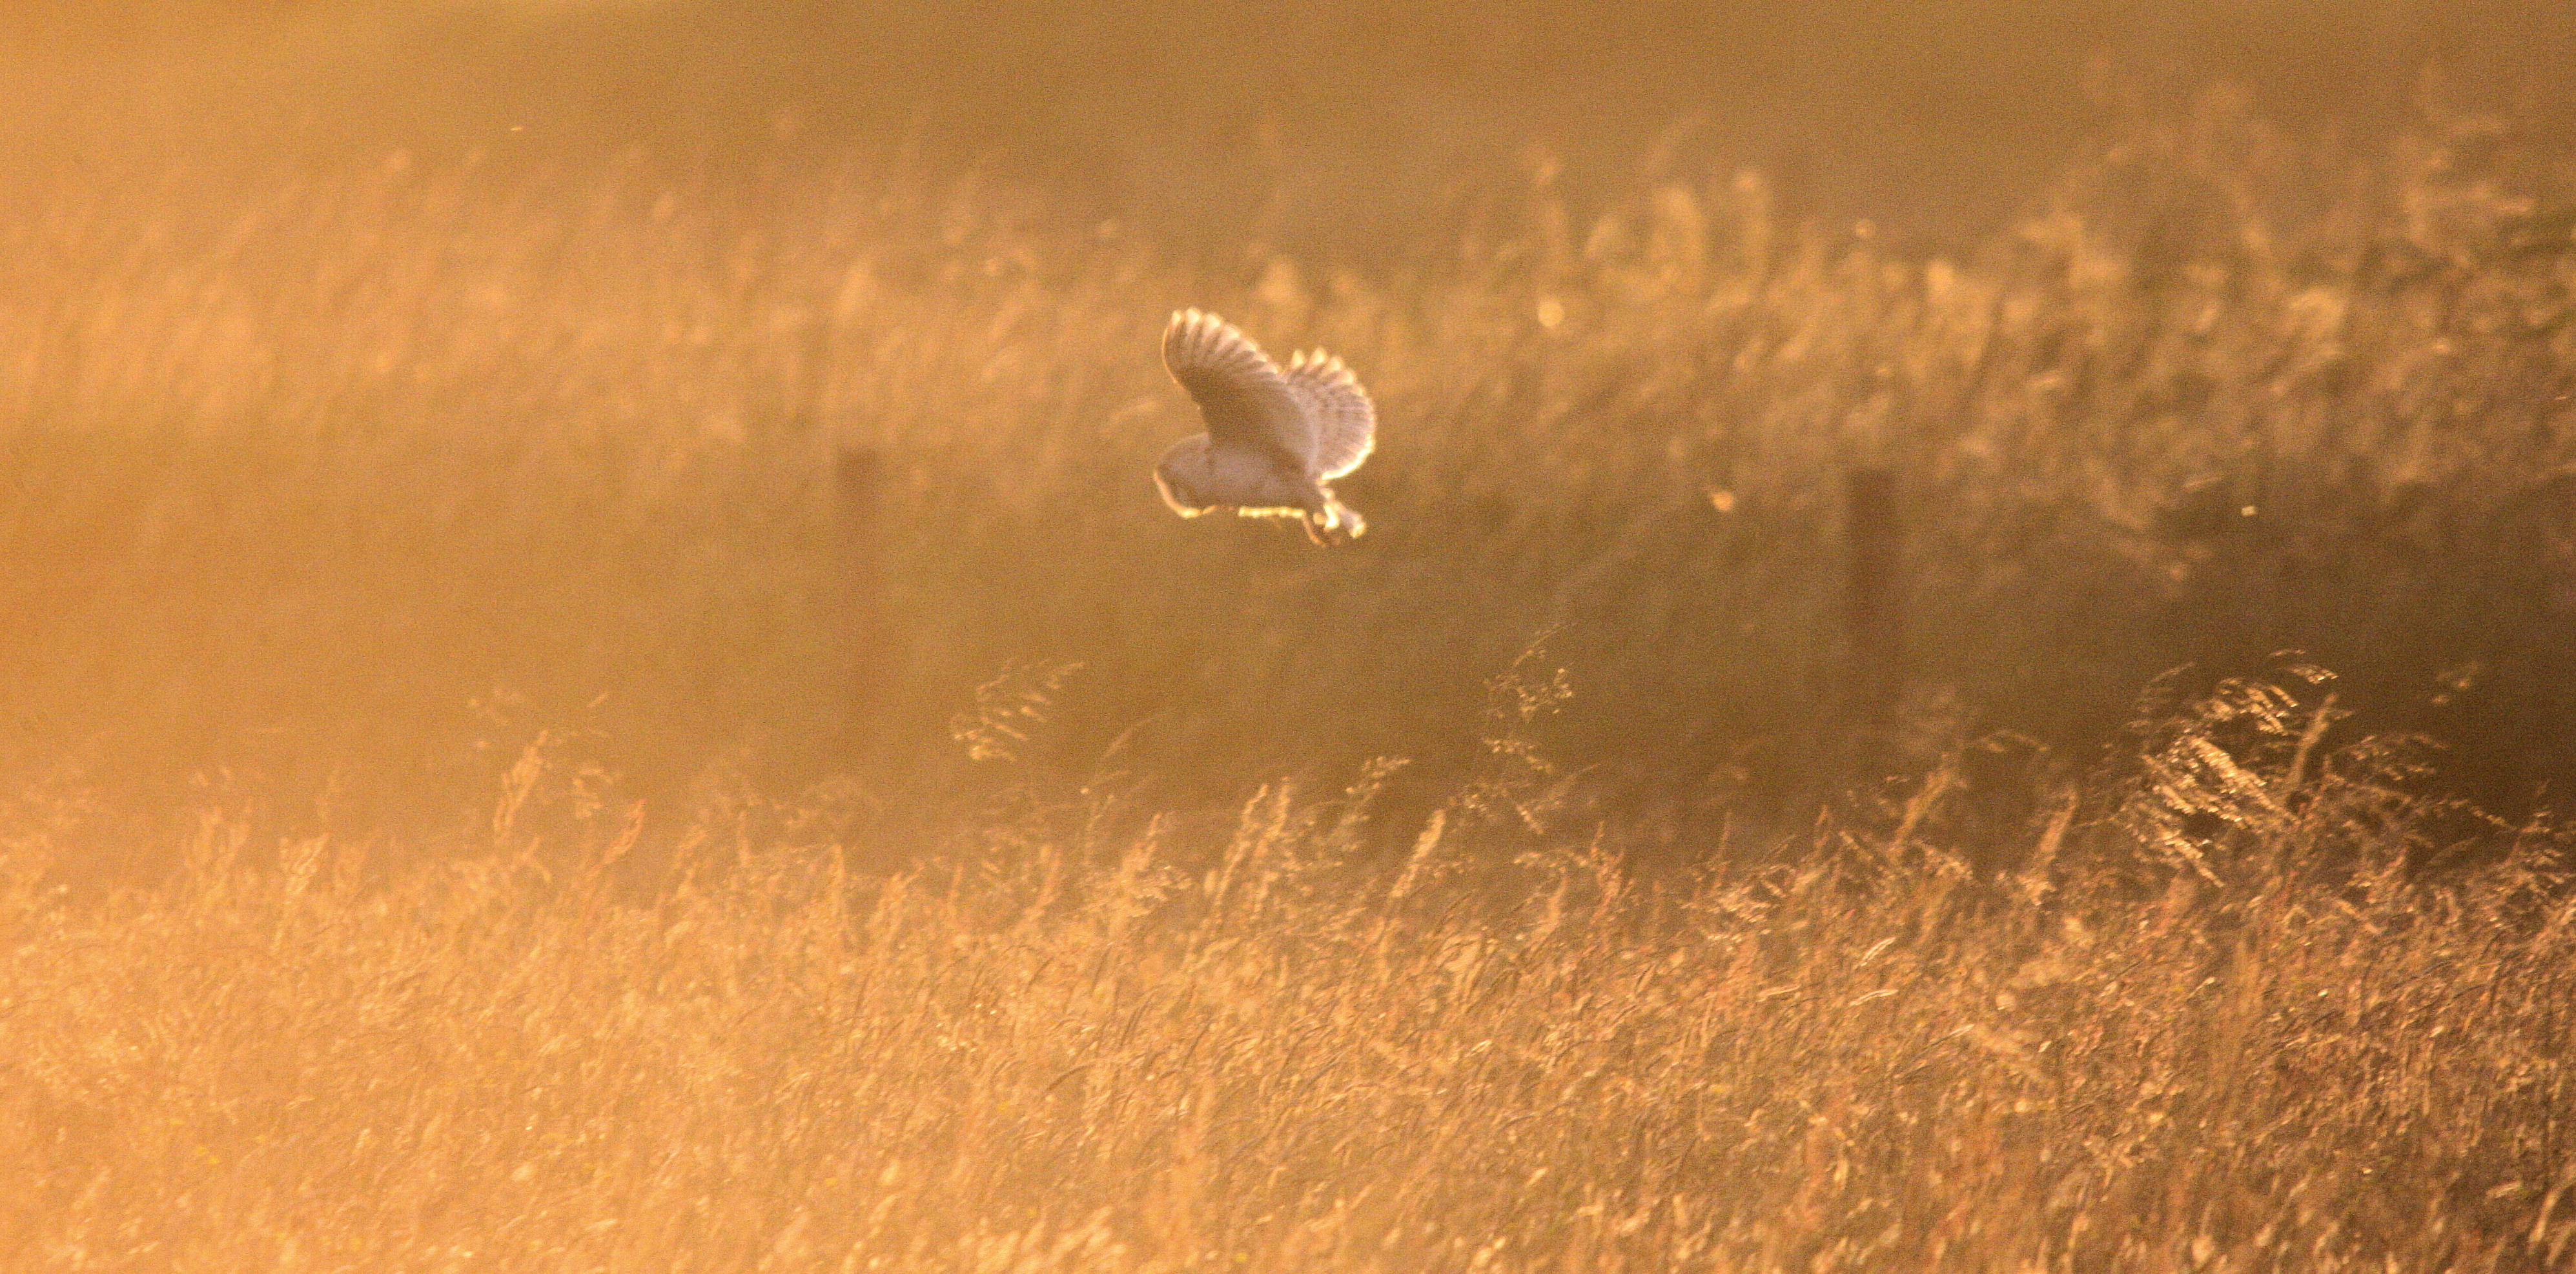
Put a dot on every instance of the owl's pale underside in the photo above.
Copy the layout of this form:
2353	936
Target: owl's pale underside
1276	439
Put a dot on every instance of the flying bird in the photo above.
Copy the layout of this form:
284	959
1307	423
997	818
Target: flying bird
1275	439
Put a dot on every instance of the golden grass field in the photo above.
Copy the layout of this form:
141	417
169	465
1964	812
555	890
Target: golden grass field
2204	1016
627	703
306	466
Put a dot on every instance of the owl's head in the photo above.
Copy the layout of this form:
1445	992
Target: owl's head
1182	476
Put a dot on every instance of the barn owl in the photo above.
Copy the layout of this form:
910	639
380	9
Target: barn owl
1275	439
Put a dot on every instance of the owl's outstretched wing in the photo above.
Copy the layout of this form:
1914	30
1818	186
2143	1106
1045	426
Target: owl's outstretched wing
1240	393
1345	421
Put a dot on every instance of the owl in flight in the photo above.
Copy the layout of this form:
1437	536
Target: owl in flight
1275	439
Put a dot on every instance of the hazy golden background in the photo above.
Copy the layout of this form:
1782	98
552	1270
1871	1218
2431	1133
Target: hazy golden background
591	677
367	362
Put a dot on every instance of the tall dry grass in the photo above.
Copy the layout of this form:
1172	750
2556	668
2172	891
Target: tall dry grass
337	497
2237	1002
305	464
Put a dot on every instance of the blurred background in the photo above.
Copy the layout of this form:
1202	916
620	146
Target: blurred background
766	391
1325	127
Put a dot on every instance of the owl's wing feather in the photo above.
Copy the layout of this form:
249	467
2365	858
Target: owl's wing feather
1345	421
1240	392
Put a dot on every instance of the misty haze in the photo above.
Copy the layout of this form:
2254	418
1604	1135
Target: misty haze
1963	657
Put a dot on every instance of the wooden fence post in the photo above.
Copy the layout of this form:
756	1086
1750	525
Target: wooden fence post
858	483
1873	597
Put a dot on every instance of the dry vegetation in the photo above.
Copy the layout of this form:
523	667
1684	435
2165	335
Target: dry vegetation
301	469
767	526
2220	1011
